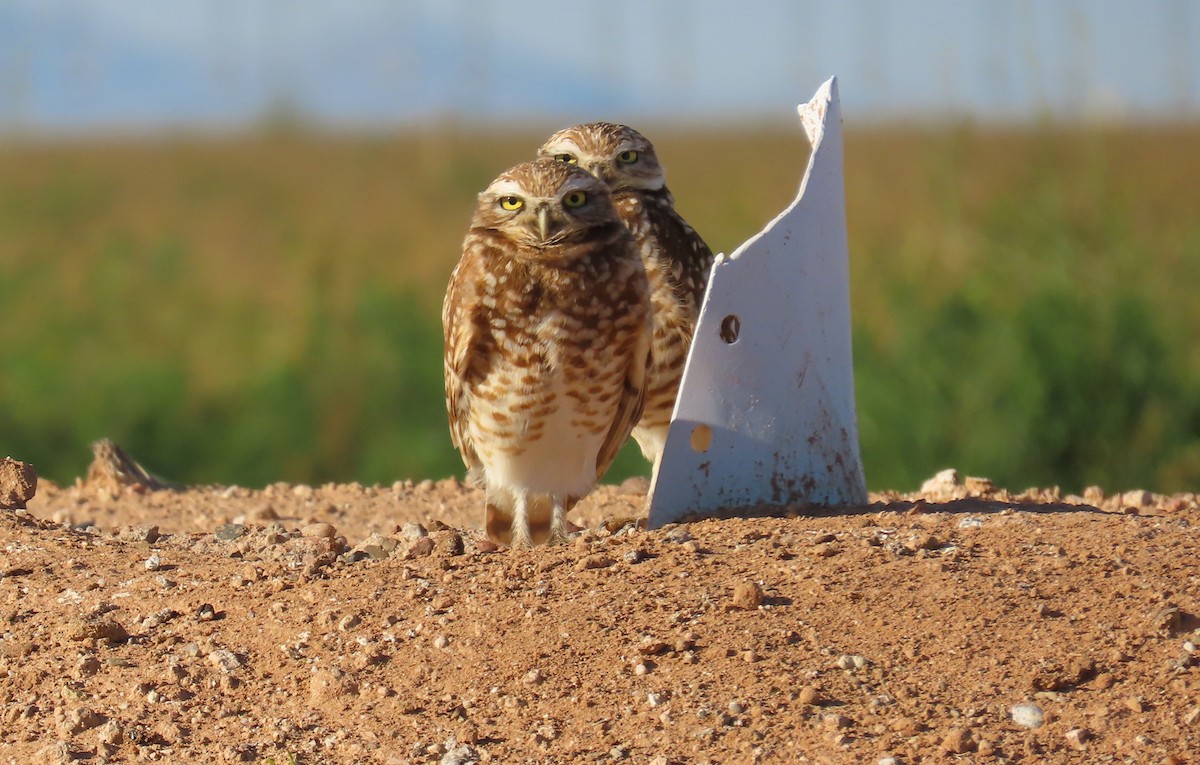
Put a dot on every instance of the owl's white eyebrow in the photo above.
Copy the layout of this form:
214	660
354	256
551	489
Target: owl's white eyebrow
506	188
562	146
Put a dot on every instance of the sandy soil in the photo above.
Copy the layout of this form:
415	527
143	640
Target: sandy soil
352	624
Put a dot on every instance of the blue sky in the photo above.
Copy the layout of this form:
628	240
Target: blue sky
85	65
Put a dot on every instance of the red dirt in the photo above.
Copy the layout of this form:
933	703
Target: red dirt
906	629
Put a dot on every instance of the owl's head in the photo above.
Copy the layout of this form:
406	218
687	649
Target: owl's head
617	154
545	203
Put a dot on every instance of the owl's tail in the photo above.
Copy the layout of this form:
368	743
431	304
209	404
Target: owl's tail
539	509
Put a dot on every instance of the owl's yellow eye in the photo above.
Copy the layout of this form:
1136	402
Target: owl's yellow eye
575	199
566	159
512	203
627	157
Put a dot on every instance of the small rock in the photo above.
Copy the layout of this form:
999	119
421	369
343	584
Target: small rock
147	534
1135	704
836	721
319	531
425	485
654	699
229	531
959	741
810	696
533	677
206	613
1078	737
636	555
224	660
851	661
419	548
1139	498
597	560
736	708
977	486
448	542
1192	717
1027	715
943	482
302	491
441	641
459	754
921	542
1104	680
98	628
970	522
153	563
413	530
676	534
349	622
747	595
890	759
18	484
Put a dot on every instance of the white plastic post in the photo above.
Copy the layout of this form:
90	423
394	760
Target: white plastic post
765	414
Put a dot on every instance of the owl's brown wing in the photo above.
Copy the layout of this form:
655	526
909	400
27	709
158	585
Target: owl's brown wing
465	359
691	259
629	407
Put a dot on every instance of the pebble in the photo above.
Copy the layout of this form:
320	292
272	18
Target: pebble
107	630
943	482
148	534
747	595
598	560
959	741
851	661
1192	717
206	613
809	695
349	622
319	531
441	641
1078	737
676	534
1027	715
153	563
890	760
18	484
970	523
225	660
533	677
228	532
654	699
635	555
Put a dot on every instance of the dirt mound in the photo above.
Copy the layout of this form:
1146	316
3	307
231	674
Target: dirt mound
352	624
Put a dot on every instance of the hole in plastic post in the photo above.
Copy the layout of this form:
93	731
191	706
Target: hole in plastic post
701	438
731	326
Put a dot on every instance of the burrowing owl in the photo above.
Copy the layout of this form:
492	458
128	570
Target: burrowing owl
547	331
677	260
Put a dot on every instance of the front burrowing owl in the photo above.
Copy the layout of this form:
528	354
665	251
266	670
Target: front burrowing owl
677	260
547	332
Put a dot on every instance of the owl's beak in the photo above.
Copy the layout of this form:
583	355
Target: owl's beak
598	169
543	219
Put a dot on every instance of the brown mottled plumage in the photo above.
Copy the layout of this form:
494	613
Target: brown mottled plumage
677	260
547	334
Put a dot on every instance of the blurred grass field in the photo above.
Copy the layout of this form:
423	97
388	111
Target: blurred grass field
262	308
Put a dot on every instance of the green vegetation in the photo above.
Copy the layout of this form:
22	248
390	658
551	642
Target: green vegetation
267	308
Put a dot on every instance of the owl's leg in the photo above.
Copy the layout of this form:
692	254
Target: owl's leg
558	531
520	521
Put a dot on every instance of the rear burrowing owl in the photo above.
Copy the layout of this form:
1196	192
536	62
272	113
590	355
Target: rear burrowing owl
547	332
677	260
